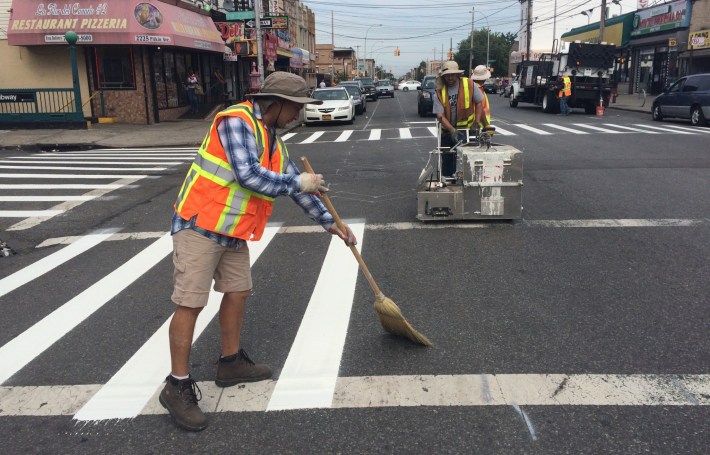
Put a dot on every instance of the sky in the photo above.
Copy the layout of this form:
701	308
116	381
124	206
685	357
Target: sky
421	28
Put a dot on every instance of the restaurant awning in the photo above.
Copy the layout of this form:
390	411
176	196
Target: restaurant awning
130	22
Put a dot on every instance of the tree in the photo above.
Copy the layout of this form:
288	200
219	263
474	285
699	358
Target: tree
498	51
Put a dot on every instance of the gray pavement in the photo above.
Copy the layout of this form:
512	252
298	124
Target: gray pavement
179	133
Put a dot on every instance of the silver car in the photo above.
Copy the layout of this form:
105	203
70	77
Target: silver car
384	88
359	98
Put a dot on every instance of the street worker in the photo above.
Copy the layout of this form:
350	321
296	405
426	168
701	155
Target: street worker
479	76
225	200
457	105
564	95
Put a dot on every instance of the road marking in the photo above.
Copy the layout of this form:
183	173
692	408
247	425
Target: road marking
503	132
22	349
113	156
69	176
375	135
287	136
405	133
29	213
116	237
530	128
80	168
23	186
412	391
344	136
432	130
54	260
596	128
617	223
564	128
156	163
309	375
638	130
101	157
692	130
312	137
45	198
665	130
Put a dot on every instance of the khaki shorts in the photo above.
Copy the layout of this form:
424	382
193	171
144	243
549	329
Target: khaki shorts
198	260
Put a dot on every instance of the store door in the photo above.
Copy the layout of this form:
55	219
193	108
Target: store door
660	72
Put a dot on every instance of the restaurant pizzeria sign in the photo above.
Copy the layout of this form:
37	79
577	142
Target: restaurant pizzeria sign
664	17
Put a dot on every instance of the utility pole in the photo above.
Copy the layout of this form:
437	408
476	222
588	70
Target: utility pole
528	30
601	22
554	26
259	50
470	51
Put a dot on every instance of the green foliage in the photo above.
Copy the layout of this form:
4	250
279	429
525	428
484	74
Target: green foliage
499	51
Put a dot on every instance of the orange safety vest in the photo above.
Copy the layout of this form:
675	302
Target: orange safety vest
567	87
464	111
212	192
486	106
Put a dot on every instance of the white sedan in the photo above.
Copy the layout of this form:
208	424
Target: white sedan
409	85
337	106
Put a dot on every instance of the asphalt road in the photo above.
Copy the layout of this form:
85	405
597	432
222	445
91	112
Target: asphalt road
582	328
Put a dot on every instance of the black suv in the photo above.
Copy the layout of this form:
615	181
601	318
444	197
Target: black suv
427	92
368	87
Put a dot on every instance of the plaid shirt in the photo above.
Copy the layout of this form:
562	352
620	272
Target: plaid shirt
240	146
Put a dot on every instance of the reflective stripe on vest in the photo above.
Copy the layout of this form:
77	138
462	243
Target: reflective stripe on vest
465	113
211	191
567	89
486	107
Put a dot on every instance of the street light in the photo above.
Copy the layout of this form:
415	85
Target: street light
366	31
587	13
617	2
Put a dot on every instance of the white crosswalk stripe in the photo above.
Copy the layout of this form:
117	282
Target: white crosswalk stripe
695	129
533	129
344	136
504	132
405	133
375	135
312	138
564	128
597	128
665	130
628	128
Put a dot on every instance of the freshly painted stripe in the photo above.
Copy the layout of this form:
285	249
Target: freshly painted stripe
432	130
618	223
412	391
628	128
145	149
54	260
116	237
596	128
309	375
68	186
312	137
22	349
128	391
503	132
103	163
694	129
564	128
533	129
375	135
665	130
69	176
44	198
102	157
405	133
344	136
80	168
29	213
287	136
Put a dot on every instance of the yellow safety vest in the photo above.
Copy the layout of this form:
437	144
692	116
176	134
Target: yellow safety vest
465	114
567	87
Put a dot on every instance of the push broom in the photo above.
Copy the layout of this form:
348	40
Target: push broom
390	315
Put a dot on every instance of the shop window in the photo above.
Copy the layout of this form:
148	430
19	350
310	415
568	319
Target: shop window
114	68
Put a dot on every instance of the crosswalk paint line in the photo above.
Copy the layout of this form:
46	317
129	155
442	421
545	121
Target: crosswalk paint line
432	130
68	176
628	128
103	163
81	168
114	152
22	349
665	130
564	128
310	372
130	389
375	135
533	129
67	186
313	137
410	391
113	156
54	260
101	157
287	136
503	132
29	213
596	128
344	136
685	128
405	133
45	198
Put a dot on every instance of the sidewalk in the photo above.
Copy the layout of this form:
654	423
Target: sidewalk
633	102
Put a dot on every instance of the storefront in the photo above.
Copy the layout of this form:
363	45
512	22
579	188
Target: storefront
697	57
134	55
655	38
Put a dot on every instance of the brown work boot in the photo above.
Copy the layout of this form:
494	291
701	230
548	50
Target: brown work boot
179	397
238	368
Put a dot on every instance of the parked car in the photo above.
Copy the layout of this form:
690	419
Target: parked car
427	92
490	86
687	98
337	106
358	84
385	88
409	85
368	87
359	99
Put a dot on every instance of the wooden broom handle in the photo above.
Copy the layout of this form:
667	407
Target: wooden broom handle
341	226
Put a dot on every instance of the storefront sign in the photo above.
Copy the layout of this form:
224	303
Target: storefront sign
130	22
271	44
700	39
668	16
297	60
17	97
233	31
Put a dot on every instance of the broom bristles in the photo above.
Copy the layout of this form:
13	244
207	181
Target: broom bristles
393	321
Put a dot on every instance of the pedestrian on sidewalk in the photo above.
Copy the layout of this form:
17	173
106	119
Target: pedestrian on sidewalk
191	83
225	200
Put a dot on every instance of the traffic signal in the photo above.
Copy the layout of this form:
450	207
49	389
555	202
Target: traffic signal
450	55
396	52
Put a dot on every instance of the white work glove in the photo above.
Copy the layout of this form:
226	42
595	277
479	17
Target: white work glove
348	237
312	183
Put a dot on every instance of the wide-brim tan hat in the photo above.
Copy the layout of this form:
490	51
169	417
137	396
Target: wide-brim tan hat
480	73
285	85
450	67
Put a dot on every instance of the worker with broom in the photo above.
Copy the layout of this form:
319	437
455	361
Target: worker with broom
225	200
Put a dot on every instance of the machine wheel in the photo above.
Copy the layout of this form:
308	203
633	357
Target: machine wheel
696	117
405	89
656	113
590	109
513	102
548	103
